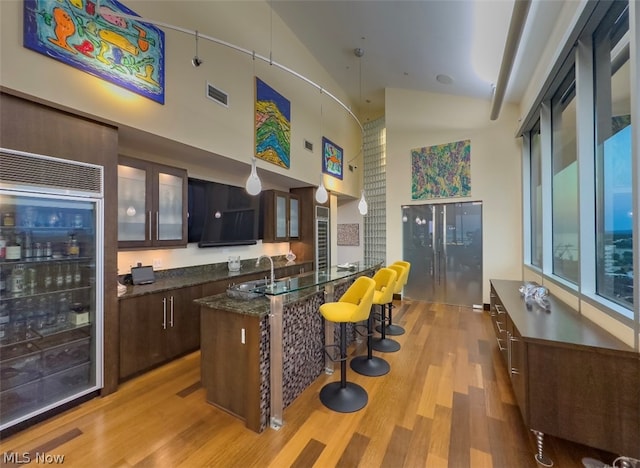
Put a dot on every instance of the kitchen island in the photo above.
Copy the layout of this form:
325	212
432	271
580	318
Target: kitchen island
259	354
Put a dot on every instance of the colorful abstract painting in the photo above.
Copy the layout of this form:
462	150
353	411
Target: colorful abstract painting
441	171
98	41
273	125
331	158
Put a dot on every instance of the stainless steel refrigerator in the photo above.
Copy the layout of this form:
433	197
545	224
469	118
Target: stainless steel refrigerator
51	283
443	242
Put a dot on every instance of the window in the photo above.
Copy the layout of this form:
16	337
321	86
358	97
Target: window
536	195
564	195
614	198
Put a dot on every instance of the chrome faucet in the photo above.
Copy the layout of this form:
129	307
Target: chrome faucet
273	281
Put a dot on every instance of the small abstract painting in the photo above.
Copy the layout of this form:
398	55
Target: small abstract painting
273	125
441	171
331	158
99	41
349	234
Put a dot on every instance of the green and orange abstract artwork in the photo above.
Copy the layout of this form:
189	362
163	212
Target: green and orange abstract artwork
273	125
441	171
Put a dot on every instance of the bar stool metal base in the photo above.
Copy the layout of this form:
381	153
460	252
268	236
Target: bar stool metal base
371	367
393	330
385	345
346	399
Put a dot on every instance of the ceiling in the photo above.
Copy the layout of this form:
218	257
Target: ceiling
407	44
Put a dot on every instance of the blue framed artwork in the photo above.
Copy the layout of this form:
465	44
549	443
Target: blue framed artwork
273	125
331	158
98	41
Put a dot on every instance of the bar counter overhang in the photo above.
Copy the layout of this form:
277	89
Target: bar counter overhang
281	338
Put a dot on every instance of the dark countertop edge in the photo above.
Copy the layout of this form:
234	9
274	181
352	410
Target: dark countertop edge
187	280
259	307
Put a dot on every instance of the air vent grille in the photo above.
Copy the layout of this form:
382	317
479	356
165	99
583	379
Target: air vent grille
25	170
217	95
308	145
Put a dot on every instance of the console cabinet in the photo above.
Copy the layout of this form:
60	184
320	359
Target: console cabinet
571	379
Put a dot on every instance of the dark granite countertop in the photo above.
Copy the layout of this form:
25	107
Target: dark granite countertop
167	280
257	307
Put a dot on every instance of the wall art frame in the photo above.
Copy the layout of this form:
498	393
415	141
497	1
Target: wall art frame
441	171
332	158
125	52
272	125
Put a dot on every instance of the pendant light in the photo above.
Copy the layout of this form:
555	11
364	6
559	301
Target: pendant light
253	185
321	192
363	208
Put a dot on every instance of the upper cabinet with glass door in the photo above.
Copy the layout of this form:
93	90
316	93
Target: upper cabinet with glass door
281	212
151	205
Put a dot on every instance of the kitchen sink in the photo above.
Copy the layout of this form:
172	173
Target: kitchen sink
247	290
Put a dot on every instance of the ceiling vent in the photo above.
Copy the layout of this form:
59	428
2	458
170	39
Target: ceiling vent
217	95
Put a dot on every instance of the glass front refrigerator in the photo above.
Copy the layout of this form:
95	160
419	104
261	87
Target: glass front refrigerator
51	285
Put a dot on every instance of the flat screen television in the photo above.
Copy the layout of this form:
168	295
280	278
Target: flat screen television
221	214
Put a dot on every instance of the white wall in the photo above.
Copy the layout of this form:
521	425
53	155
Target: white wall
417	119
348	214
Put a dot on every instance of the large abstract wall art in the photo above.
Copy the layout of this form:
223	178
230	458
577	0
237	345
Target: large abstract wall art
96	40
441	171
273	125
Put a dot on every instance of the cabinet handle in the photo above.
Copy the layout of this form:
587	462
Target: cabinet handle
157	225
499	309
500	344
512	370
149	213
164	313
500	329
510	340
171	311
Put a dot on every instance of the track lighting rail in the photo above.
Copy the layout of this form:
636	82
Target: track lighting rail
251	53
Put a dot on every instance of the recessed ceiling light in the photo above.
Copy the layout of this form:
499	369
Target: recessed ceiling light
444	79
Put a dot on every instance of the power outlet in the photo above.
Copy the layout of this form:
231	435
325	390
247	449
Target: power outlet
157	263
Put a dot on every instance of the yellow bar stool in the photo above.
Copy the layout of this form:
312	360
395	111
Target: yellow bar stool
384	344
371	365
392	329
354	306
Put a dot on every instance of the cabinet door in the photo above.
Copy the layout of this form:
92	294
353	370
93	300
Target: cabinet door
134	203
169	215
294	217
143	328
183	321
281	218
152	209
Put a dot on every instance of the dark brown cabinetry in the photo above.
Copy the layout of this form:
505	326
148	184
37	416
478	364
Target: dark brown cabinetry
570	378
232	378
280	216
151	205
311	240
156	328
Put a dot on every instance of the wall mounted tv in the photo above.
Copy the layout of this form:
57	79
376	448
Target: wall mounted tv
221	214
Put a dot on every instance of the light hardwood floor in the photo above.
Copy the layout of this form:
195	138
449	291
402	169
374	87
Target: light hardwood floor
446	402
